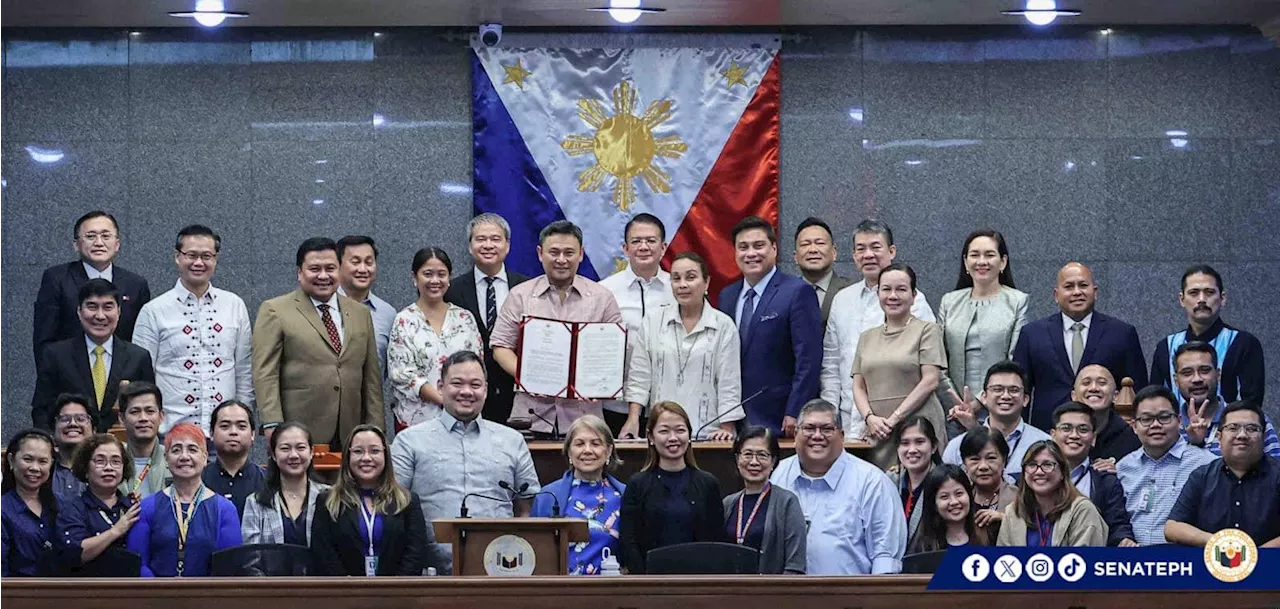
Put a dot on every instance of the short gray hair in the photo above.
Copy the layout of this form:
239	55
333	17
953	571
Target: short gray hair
820	406
489	218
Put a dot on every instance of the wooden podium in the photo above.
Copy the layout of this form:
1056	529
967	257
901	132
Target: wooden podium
510	546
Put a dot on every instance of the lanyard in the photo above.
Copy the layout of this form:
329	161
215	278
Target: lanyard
911	501
369	516
741	530
1045	528
184	521
142	477
107	518
682	361
1076	481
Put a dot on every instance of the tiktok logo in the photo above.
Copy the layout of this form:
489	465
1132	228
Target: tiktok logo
1071	568
976	568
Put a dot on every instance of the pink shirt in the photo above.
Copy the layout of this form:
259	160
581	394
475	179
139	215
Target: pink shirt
587	301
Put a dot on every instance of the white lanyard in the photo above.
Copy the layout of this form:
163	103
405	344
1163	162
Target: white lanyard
369	517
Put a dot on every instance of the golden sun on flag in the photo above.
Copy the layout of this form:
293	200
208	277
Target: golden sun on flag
624	145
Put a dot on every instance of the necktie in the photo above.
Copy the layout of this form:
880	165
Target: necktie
332	328
99	374
1077	345
642	311
490	305
748	311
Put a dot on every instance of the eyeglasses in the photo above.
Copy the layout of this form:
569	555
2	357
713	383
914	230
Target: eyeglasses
814	430
104	461
202	256
103	237
1202	371
73	418
357	453
756	456
649	241
1012	390
1163	418
1246	429
1067	428
1043	466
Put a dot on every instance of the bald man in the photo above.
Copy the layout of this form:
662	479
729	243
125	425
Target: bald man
1054	349
1112	437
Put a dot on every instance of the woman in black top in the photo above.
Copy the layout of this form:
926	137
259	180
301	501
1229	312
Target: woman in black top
670	501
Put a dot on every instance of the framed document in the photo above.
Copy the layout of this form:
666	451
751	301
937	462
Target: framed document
573	360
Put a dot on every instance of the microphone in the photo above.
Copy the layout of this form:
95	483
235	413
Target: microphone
521	494
462	511
555	425
723	414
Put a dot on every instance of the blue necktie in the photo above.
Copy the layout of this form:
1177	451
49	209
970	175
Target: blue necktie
748	311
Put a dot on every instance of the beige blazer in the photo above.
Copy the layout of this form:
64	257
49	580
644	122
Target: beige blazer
997	336
1080	526
297	376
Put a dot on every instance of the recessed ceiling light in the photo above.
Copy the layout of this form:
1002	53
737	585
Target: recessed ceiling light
209	13
626	11
1042	12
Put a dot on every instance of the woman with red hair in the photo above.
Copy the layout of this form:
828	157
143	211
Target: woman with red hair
180	528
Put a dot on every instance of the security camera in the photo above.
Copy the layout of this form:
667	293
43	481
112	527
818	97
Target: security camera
490	34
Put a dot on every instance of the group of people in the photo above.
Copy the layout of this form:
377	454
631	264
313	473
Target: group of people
983	428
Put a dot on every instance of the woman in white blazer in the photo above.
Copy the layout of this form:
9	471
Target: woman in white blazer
980	322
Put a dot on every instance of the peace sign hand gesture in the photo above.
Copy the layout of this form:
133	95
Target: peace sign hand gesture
1198	427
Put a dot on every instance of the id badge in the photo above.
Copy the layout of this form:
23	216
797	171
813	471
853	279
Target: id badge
1145	498
370	566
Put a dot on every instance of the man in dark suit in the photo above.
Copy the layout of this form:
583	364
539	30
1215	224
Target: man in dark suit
93	362
780	326
1074	433
96	238
1055	348
482	291
816	257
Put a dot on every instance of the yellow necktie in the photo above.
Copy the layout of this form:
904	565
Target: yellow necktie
99	374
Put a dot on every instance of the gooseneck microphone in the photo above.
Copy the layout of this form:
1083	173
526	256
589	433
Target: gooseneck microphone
521	494
462	511
723	414
555	425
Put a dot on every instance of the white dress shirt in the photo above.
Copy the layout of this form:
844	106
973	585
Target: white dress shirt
334	312
854	310
106	355
759	288
1067	322
700	370
96	274
637	299
1081	479
500	288
201	349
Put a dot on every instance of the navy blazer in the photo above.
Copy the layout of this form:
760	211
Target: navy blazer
56	317
1107	495
1042	352
64	367
782	356
462	292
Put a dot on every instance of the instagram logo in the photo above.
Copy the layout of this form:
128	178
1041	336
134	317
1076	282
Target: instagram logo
1039	568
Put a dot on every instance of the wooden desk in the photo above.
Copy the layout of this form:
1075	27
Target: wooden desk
629	592
713	457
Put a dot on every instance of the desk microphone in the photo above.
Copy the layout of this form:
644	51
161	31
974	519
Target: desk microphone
462	512
555	425
723	414
521	494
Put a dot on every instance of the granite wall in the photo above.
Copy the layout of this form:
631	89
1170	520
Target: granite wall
1138	152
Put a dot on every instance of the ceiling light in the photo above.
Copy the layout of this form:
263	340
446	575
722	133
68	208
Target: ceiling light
44	155
209	13
626	11
1042	12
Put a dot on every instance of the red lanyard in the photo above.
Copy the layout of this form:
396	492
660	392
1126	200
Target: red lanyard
911	501
1045	528
742	531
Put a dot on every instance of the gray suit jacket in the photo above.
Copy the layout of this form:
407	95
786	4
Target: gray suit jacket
264	525
837	283
1002	321
785	532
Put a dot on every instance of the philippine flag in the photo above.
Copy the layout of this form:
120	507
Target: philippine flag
596	136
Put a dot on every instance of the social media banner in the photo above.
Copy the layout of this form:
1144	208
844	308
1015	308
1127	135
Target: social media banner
1147	568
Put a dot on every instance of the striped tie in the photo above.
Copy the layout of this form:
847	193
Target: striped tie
490	305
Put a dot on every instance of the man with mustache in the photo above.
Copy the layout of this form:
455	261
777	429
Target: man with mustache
96	239
561	293
142	413
1155	475
1196	374
93	362
1239	490
198	335
1004	395
230	473
72	421
1054	349
816	257
483	291
1073	432
1242	371
854	310
357	270
315	354
1114	438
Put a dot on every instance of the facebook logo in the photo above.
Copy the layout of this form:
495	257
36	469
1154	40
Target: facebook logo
975	568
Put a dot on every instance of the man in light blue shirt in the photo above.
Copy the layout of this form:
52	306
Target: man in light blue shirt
1005	396
852	508
357	270
1153	476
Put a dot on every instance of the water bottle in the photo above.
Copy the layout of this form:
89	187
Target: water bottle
609	564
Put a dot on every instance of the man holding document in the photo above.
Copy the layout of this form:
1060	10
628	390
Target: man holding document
563	360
